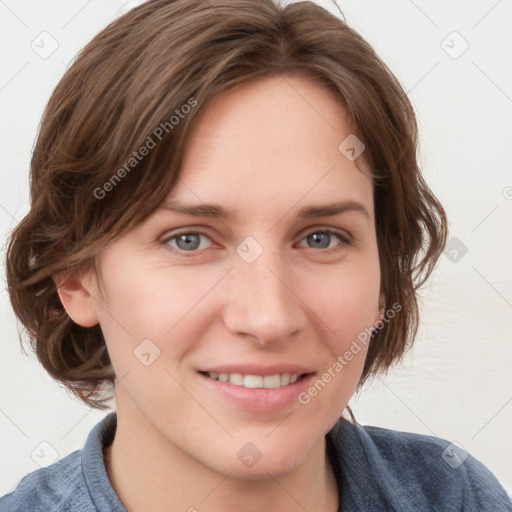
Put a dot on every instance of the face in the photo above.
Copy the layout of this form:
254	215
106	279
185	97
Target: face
267	296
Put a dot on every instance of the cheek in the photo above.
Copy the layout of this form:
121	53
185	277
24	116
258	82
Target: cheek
351	305
154	304
348	310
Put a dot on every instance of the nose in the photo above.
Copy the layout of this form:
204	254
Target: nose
265	300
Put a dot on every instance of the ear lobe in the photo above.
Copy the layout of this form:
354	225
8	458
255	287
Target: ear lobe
76	298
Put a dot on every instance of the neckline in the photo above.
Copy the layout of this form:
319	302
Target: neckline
106	431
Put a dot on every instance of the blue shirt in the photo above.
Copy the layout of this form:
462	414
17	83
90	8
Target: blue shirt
376	470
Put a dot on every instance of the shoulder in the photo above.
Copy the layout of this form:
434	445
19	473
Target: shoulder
58	487
428	472
76	483
448	476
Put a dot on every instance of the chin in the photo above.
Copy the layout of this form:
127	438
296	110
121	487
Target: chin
260	471
259	463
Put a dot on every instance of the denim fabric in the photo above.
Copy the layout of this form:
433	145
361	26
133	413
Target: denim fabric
388	471
376	469
76	483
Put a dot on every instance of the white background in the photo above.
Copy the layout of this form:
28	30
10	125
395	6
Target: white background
455	382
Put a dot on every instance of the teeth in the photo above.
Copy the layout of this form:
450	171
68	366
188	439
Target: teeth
237	379
271	381
255	381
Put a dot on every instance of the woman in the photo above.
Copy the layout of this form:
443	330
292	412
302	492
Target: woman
228	226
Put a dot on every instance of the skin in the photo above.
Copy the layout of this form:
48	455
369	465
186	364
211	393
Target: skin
267	149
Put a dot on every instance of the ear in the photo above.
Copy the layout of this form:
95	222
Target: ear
73	289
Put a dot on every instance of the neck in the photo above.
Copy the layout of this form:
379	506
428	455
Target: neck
150	473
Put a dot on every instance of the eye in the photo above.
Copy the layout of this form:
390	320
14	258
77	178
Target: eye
187	241
190	241
321	239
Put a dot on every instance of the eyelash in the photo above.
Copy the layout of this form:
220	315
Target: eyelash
344	239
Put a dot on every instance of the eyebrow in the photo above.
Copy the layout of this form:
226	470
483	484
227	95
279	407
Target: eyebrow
307	212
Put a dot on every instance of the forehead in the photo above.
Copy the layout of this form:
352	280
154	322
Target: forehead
268	142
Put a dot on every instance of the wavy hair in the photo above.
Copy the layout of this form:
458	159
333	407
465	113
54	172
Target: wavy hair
130	79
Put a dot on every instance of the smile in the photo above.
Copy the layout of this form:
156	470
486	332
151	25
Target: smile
255	381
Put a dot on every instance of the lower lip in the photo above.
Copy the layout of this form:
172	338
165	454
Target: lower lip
260	399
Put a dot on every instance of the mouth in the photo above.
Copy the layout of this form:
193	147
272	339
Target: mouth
257	388
275	381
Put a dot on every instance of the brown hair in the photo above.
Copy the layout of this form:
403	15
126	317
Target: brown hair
130	79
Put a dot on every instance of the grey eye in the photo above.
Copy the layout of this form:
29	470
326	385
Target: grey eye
320	239
186	241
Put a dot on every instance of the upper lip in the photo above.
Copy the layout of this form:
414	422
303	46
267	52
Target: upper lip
257	369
